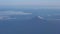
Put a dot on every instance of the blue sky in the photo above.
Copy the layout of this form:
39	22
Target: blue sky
28	0
31	2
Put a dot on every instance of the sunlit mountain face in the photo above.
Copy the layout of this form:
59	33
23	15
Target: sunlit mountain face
29	21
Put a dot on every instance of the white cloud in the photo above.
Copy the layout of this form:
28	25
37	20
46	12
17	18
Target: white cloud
11	18
14	13
40	17
4	17
7	14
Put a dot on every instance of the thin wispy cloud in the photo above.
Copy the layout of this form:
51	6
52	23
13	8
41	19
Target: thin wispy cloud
7	14
40	17
14	13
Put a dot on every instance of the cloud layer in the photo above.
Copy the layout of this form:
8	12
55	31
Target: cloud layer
14	13
7	14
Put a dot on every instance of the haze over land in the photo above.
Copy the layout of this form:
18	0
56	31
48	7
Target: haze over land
29	16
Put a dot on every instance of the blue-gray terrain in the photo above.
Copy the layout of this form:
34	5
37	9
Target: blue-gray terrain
41	21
